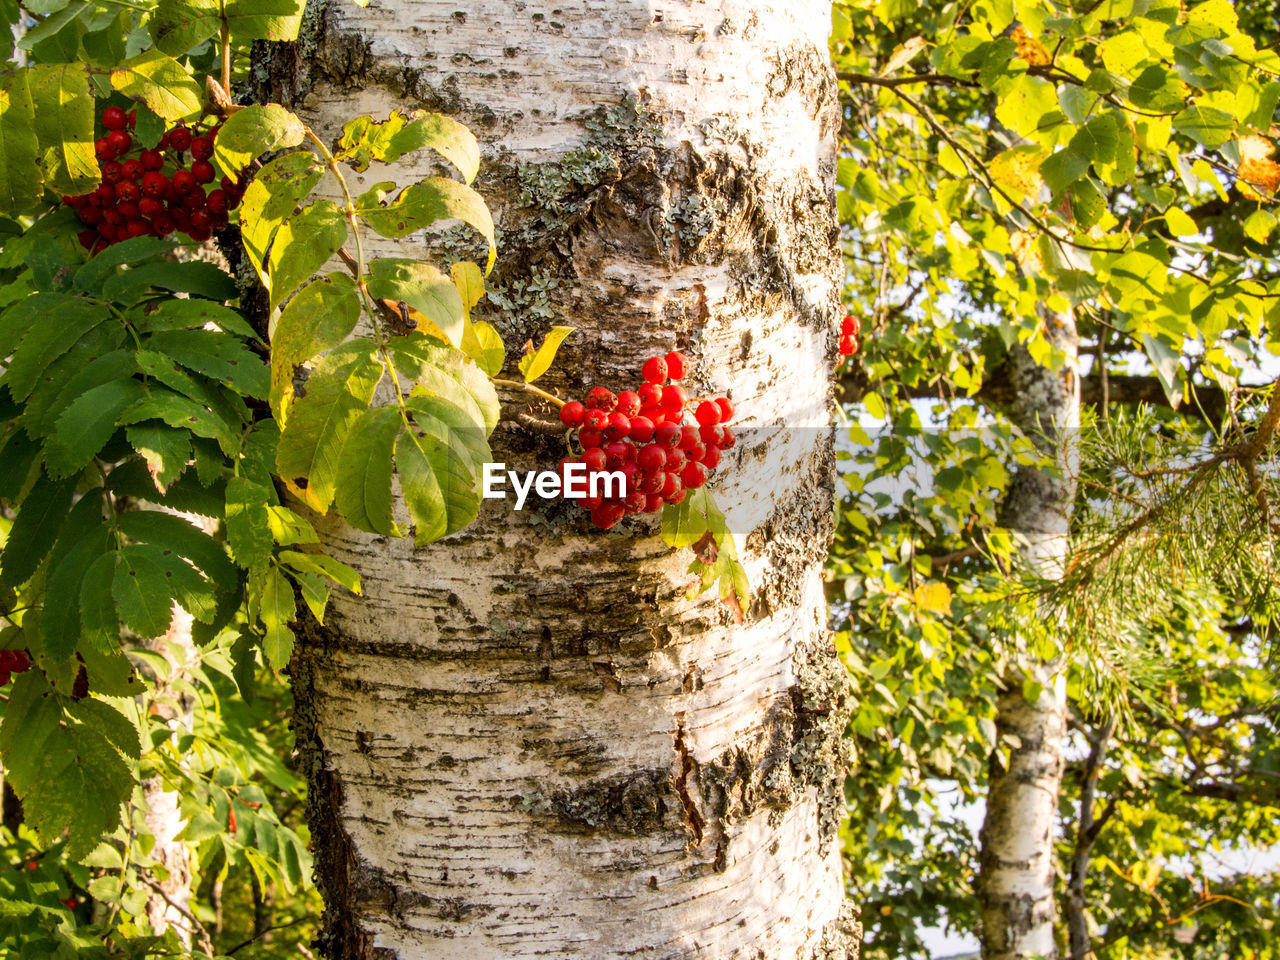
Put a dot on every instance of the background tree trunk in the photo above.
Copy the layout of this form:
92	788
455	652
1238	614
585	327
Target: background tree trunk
525	740
1018	864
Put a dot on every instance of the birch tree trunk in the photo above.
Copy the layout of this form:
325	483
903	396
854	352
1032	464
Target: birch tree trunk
1018	863
525	739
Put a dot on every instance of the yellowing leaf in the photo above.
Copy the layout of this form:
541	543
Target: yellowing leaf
1018	171
1029	48
537	362
934	598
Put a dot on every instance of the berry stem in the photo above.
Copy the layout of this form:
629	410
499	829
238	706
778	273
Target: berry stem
528	388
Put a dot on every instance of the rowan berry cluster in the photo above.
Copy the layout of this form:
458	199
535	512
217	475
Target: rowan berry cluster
642	434
155	191
850	327
13	661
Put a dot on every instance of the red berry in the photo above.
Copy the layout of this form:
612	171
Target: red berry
154	183
651	458
653	482
179	139
653	503
689	437
133	118
129	210
590	436
727	438
708	412
217	204
114	118
201	148
87	238
850	325
152	160
138	228
112	216
89	215
598	398
616	453
693	475
229	185
105	194
195	200
594	458
619	426
108	231
656	414
149	206
4	677
596	419
711	434
120	141
111	172
726	409
635	501
711	459
848	345
571	414
641	429
650	394
128	191
673	400
676	365
203	171
162	224
654	370
103	149
675	459
673	487
667	434
198	234
628	403
184	182
607	514
132	170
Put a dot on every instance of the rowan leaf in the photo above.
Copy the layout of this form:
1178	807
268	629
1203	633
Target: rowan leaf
277	609
45	342
363	491
339	389
537	362
90	363
196	277
441	372
318	318
19	148
421	204
165	450
248	534
217	356
159	81
365	139
87	424
171	313
182	411
34	530
60	621
323	565
271	198
424	288
63	108
180	536
99	622
302	245
441	494
178	25
252	132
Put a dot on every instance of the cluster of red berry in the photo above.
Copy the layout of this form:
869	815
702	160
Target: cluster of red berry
153	192
13	661
642	434
850	327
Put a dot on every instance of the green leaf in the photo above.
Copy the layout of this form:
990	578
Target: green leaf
99	622
422	204
181	411
535	363
1259	224
248	534
165	450
176	534
85	427
195	277
178	25
1063	169
319	563
364	139
1098	139
217	356
1207	126
46	342
422	287
682	525
39	520
439	371
252	132
320	317
64	126
339	389
287	527
142	592
1166	361
1028	100
161	82
19	149
442	496
192	314
302	245
60	622
53	25
1180	225
363	491
271	198
277	609
92	369
482	344
245	658
1158	90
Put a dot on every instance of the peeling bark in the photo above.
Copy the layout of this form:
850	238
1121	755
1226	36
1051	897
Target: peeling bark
526	739
1018	862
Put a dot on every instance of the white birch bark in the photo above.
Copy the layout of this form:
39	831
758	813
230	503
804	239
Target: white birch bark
1018	862
524	740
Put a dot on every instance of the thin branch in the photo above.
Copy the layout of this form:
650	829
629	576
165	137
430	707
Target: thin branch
936	79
